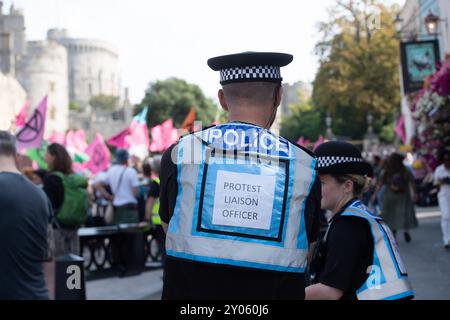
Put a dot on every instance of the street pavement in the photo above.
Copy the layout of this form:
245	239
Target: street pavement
427	262
146	286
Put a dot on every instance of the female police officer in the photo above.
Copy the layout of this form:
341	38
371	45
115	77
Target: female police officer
357	257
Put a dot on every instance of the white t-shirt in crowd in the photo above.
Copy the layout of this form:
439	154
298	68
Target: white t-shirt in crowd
441	173
123	194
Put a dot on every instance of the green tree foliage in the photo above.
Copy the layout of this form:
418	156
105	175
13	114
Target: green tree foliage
174	98
304	120
73	106
359	66
104	102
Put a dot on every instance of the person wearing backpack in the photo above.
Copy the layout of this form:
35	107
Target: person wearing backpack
398	208
68	195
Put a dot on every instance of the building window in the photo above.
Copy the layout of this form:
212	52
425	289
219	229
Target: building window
53	113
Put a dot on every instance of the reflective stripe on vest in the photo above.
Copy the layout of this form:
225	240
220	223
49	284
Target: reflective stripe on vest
155	211
388	279
204	229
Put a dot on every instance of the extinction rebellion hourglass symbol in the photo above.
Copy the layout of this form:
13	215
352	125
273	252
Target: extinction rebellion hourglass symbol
98	157
32	129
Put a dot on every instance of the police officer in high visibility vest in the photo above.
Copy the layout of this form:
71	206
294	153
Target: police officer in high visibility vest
239	203
152	205
358	257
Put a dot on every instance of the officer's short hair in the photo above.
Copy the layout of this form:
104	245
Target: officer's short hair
257	93
7	144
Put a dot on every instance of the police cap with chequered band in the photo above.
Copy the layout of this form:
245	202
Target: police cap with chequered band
337	157
250	66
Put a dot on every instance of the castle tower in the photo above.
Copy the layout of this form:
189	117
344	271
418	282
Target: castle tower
12	39
42	71
93	67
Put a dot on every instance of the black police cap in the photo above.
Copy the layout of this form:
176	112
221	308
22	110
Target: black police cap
337	157
250	66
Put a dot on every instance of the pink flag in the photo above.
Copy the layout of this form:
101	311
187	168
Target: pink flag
57	137
318	142
99	155
157	140
118	140
20	119
400	129
138	135
80	140
135	135
76	141
303	142
31	134
163	136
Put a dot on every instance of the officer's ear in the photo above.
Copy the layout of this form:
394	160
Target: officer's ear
348	186
222	100
279	95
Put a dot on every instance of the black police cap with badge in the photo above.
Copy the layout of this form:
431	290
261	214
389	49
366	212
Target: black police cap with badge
250	67
337	158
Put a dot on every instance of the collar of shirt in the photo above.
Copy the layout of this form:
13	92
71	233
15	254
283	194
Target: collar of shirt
345	206
249	123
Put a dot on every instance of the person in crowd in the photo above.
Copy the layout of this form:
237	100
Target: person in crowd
421	171
100	203
399	196
442	180
38	177
124	183
68	195
24	222
152	207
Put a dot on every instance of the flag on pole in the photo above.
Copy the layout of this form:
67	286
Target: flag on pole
21	117
31	134
188	123
139	131
99	155
76	145
76	141
163	136
57	137
400	129
134	135
37	155
118	140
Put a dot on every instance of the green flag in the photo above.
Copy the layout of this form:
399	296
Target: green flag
38	155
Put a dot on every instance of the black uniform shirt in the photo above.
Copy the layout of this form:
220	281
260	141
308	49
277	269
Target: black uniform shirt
185	279
346	255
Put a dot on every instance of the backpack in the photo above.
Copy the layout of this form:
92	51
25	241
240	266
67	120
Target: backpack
74	210
399	184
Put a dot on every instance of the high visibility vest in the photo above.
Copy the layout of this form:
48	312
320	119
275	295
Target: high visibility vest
387	276
241	199
156	220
